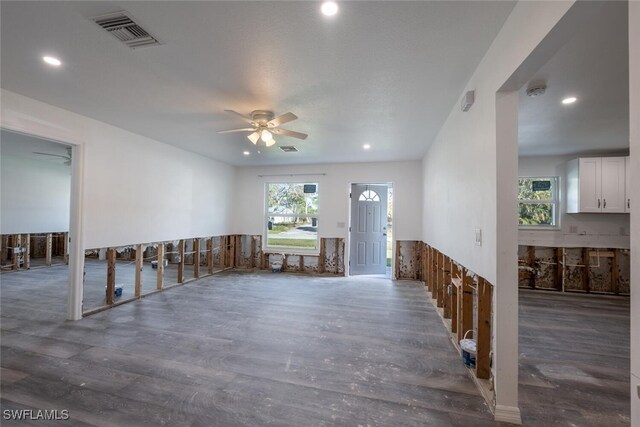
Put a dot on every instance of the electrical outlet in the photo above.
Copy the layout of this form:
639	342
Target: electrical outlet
478	233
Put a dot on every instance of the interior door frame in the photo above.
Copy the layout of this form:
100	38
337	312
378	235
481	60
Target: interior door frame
347	243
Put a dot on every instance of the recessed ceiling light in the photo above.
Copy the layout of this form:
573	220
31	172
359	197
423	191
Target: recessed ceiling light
246	153
366	146
52	61
569	100
329	8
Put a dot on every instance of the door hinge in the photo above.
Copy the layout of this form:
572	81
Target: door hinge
349	229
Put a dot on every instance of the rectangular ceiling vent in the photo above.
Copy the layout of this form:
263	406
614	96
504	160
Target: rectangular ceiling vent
289	149
125	29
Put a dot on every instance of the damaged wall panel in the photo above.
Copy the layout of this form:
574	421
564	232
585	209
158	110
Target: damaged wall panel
574	269
408	260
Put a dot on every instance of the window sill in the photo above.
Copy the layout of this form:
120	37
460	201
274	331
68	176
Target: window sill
539	227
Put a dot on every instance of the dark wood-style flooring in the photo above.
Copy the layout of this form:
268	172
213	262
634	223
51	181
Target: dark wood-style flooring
238	349
252	349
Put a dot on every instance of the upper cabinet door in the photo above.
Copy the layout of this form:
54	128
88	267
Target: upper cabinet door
613	186
627	187
590	171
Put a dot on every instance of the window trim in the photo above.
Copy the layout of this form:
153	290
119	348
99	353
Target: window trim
555	201
267	214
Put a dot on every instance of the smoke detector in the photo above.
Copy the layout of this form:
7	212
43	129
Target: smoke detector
536	90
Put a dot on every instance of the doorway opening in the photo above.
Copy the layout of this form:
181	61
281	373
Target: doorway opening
36	178
371	229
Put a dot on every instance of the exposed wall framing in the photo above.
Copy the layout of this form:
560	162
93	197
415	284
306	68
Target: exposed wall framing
32	250
605	271
463	298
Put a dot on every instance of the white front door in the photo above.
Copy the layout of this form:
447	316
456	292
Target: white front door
368	229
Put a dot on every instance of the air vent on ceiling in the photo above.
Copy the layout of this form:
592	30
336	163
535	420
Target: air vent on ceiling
289	149
126	30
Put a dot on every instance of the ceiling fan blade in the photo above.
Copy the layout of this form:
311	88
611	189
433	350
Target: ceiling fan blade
237	130
285	118
52	155
294	134
242	116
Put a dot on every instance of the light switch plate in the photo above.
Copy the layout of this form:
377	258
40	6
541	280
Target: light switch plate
478	233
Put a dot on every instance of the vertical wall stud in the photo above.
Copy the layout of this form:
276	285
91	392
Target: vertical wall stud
139	266
48	249
196	258
483	340
111	275
321	256
210	255
26	255
160	276
181	261
446	282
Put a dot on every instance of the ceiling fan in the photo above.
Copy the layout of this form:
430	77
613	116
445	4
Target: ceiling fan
264	126
67	158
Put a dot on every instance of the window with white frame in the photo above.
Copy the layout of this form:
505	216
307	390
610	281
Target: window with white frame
538	204
291	216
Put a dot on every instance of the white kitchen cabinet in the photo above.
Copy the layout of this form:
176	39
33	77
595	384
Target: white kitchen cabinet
596	185
627	169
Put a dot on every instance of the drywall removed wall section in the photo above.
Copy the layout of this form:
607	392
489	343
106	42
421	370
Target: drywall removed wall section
576	230
35	189
134	189
334	182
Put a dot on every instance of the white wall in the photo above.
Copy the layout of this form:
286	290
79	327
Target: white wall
462	189
35	194
592	230
333	196
134	189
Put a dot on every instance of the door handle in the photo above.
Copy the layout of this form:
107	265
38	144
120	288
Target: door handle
598	203
384	234
605	203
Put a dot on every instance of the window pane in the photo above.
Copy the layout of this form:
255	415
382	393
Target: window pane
292	232
291	198
536	214
536	188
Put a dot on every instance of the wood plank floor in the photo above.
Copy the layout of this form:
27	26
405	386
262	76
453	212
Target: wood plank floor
238	348
574	359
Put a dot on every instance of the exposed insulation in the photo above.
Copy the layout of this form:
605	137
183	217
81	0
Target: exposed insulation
408	264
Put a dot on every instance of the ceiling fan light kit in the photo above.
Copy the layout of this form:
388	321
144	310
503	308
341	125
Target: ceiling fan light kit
264	126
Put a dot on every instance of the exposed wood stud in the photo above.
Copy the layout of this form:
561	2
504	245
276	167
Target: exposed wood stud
337	249
414	265
252	261
321	256
181	261
232	251
160	271
434	274
440	280
454	297
531	261
446	300
139	266
587	269
66	248
111	275
301	262
210	255
559	267
483	340
15	252
196	258
344	254
284	262
396	268
48	250
615	272
26	255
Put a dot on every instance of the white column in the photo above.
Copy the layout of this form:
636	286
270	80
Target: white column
634	145
76	236
505	296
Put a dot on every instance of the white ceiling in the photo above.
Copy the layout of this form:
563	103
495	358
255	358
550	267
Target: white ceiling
594	67
383	73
